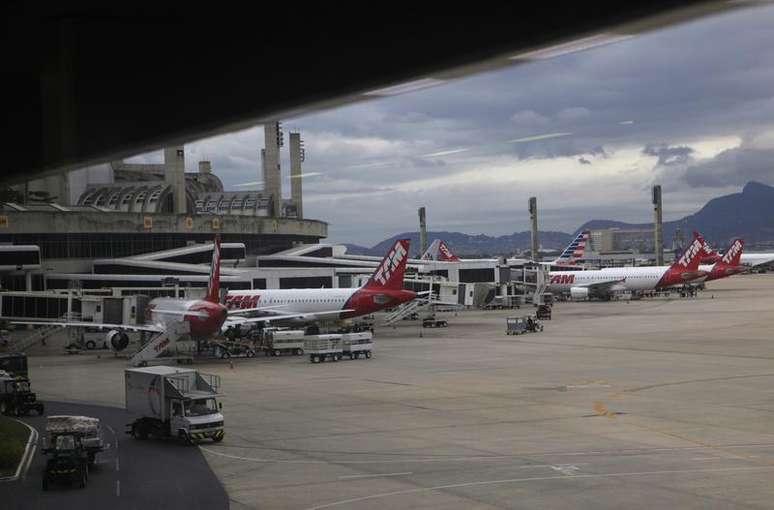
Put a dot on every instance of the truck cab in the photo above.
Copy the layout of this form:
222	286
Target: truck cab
192	419
16	398
67	462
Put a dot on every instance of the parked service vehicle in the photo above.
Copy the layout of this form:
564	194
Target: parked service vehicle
173	402
355	345
72	442
278	342
320	347
432	322
15	396
227	350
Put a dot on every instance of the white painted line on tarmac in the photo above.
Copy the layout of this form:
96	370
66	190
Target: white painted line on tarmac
118	488
536	478
26	460
117	466
352	477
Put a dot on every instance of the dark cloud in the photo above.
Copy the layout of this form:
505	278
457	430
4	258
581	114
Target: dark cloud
668	156
733	167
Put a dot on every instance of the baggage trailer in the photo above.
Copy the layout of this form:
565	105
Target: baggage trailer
173	402
279	342
320	347
88	430
355	345
16	398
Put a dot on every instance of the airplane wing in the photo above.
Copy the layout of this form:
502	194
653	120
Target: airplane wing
601	286
97	325
308	316
181	312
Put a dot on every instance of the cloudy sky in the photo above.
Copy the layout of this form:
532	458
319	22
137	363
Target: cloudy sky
588	133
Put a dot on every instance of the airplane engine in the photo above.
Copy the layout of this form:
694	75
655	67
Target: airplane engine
579	293
117	340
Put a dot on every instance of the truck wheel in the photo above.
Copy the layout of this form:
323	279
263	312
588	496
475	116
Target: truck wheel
139	432
3	408
82	482
299	352
184	438
314	358
250	353
368	354
91	345
351	355
277	352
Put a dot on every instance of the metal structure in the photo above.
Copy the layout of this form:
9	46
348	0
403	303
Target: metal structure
658	226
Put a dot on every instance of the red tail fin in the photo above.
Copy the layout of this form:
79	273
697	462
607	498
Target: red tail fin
705	247
689	260
213	288
389	274
734	254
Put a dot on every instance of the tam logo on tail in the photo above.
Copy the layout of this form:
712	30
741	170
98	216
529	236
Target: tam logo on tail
734	254
390	272
690	258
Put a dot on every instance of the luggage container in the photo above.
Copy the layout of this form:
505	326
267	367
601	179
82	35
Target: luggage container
320	347
355	345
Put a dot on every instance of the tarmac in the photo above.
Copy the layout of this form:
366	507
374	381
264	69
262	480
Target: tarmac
657	403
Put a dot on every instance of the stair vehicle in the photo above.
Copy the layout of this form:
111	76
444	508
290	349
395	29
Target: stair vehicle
320	347
16	399
173	402
355	345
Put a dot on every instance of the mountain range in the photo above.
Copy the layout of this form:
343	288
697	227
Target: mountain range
748	214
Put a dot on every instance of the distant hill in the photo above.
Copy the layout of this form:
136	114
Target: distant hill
467	245
749	214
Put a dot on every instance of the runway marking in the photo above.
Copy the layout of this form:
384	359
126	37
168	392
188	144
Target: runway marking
351	477
118	488
625	451
566	469
532	479
117	468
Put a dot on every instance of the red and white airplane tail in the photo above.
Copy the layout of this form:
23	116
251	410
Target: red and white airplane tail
574	251
389	274
733	256
438	250
708	255
213	287
691	257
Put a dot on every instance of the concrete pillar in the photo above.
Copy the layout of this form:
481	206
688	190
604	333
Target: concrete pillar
28	281
271	169
534	242
296	176
174	175
422	231
205	167
657	226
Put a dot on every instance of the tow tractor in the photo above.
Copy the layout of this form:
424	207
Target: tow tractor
521	325
15	396
72	442
432	322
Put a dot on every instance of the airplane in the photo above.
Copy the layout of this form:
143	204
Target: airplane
604	282
711	256
384	289
204	316
728	265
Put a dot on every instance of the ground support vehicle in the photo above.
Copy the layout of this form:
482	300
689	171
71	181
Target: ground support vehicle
16	399
320	347
432	322
173	402
543	312
86	429
355	345
279	342
521	325
67	462
228	350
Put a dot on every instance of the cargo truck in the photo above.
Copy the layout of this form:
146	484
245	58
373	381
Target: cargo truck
173	402
16	398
